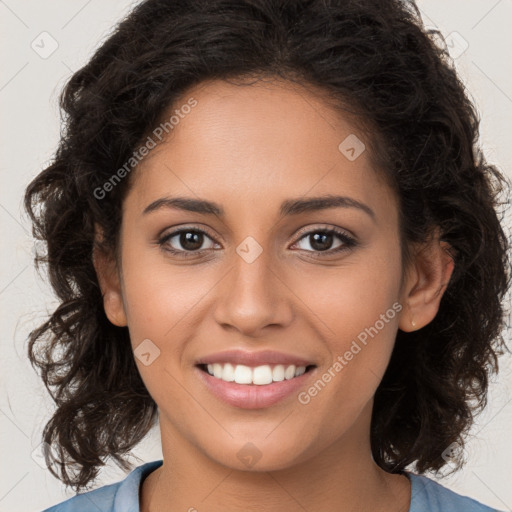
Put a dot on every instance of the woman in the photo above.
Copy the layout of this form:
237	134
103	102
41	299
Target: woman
272	231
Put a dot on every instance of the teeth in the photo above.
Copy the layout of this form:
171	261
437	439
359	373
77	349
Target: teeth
299	371
217	370
260	375
289	373
243	374
228	372
278	373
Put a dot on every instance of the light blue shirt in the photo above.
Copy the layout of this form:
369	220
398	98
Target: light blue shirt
426	496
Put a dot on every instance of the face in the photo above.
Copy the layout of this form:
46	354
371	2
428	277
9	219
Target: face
262	273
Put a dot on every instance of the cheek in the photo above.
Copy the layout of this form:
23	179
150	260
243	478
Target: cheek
157	294
158	299
347	299
356	308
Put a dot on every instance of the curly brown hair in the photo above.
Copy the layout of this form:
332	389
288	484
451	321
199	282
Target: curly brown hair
374	55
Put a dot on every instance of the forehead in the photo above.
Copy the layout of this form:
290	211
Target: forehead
260	143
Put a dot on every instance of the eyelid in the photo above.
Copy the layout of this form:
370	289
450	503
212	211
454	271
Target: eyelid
349	241
302	231
176	230
321	227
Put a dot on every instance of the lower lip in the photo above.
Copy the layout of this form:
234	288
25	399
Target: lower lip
252	396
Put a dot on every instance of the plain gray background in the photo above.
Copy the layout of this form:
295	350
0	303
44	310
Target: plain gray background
479	35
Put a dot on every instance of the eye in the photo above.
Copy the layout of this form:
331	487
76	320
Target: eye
190	239
321	241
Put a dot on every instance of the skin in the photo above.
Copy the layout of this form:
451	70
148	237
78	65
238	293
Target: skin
248	148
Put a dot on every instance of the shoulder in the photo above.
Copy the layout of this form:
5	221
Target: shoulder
121	496
430	496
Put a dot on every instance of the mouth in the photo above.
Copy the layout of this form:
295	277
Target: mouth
262	375
253	387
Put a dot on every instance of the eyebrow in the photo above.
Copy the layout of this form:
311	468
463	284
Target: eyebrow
288	207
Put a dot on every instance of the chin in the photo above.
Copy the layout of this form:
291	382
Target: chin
259	453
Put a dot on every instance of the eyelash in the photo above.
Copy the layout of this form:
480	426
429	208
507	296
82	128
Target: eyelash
348	241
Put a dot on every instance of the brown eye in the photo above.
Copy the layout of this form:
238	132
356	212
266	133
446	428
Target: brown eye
322	240
190	240
184	241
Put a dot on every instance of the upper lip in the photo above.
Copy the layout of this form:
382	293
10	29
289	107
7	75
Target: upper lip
259	358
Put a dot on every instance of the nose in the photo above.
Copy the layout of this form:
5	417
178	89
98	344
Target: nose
253	295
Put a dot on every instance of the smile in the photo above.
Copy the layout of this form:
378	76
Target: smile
259	375
253	387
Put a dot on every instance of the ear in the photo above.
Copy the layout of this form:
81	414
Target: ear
108	277
425	284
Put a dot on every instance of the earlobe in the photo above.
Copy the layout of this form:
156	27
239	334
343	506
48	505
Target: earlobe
114	308
108	279
426	285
